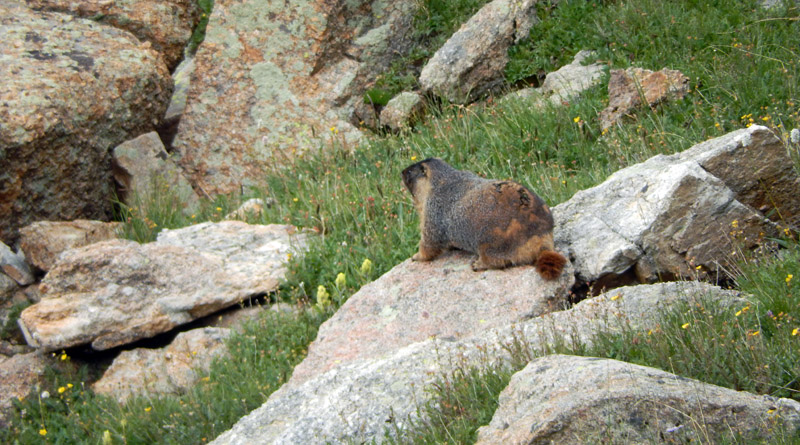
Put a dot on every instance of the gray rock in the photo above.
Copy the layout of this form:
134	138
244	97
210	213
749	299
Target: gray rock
7	286
472	61
416	300
755	165
72	89
142	167
358	400
166	24
251	208
169	370
14	266
44	241
181	79
636	87
273	79
561	399
18	376
665	217
564	84
115	292
402	111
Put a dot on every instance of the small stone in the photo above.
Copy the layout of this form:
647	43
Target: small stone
14	265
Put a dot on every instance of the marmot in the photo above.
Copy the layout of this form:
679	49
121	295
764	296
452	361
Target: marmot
502	221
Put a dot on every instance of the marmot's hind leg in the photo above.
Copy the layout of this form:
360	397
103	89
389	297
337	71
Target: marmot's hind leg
487	261
426	253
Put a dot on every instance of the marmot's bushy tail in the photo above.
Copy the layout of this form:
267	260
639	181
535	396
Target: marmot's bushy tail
550	264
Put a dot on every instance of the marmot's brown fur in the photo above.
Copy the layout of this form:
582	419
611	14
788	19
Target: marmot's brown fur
502	221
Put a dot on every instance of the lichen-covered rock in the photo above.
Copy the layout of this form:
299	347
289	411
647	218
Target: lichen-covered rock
359	400
275	78
71	90
143	167
669	216
418	300
169	370
560	399
402	111
115	292
18	375
472	61
44	241
631	88
166	24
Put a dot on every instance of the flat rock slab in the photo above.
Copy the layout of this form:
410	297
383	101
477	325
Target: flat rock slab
568	399
671	216
443	298
358	401
44	241
115	292
169	370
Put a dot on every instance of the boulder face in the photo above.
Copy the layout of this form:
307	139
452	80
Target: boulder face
166	24
359	400
170	370
44	241
115	292
416	300
472	61
277	78
560	399
670	216
72	89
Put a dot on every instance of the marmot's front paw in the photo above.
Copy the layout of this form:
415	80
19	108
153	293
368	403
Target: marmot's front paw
478	265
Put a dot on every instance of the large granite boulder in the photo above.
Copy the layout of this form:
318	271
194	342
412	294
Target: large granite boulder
568	399
43	241
115	292
273	79
169	370
166	24
417	300
359	400
670	216
472	61
72	89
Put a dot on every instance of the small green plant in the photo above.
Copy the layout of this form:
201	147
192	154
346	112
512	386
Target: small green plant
10	328
199	32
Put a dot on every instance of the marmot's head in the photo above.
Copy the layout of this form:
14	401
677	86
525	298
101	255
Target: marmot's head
417	178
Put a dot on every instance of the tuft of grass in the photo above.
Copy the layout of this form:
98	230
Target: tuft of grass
10	328
199	32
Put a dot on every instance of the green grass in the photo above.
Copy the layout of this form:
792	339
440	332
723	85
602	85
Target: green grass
743	63
199	32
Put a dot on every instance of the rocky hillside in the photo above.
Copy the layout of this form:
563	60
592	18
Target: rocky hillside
215	246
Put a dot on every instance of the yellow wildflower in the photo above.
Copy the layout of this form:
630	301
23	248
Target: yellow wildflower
685	325
107	437
413	158
341	280
42	432
64	356
366	266
61	389
789	278
615	297
577	119
323	297
147	410
735	223
796	331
